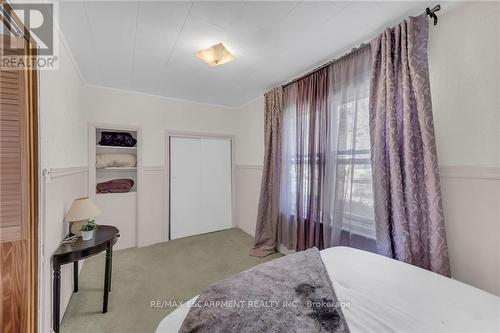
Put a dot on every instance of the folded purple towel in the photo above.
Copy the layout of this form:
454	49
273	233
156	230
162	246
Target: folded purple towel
117	139
115	186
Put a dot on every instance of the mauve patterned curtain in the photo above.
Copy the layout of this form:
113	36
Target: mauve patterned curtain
408	208
267	216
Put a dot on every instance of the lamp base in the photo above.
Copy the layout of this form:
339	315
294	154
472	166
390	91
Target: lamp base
74	228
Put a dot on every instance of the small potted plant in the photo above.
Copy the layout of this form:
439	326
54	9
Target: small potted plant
87	230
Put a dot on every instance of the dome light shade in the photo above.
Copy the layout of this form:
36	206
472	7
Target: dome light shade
215	55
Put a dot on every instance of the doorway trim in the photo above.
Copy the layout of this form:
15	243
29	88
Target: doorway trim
193	135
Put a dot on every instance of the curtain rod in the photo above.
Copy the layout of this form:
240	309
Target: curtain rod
429	12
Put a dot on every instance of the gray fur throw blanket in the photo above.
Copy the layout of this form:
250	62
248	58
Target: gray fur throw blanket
288	294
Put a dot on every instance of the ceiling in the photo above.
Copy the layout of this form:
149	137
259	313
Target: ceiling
150	47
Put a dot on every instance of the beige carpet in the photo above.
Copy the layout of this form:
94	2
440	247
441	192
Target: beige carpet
175	270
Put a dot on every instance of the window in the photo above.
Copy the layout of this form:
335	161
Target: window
355	159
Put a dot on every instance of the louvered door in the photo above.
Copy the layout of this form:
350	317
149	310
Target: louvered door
13	155
18	194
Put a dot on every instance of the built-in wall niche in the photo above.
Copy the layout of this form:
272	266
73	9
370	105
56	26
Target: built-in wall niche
118	209
108	173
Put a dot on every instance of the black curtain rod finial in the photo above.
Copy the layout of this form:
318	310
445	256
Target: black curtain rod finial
432	13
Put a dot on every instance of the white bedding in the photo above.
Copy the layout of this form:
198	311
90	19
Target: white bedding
386	295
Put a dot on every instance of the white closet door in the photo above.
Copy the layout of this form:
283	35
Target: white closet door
185	180
216	184
200	186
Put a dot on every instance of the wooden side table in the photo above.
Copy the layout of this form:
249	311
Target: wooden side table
105	237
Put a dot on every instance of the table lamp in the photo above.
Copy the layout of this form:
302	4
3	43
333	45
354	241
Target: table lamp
81	211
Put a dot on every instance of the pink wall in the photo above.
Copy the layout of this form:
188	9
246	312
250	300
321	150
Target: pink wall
152	226
247	187
60	186
471	200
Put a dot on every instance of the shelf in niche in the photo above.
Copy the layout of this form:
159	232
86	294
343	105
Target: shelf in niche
117	169
116	147
120	193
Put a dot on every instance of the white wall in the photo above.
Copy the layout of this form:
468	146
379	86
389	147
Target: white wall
247	187
63	144
250	133
155	115
249	159
464	66
465	73
63	134
471	201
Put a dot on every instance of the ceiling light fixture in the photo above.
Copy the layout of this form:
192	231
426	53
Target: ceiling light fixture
215	55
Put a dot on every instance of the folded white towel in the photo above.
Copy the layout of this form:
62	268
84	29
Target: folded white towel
115	160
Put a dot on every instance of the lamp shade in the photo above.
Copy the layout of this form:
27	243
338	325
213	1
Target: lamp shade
82	209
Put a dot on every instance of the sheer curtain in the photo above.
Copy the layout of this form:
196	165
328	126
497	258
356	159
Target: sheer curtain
304	150
326	187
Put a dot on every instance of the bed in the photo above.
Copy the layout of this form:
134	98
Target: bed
386	295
